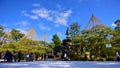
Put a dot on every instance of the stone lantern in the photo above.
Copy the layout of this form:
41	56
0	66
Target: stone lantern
66	45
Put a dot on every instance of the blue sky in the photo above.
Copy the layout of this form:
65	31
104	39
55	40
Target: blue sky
54	16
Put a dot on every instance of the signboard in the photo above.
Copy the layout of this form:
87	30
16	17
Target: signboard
108	45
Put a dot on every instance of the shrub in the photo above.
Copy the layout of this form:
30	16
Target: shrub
110	58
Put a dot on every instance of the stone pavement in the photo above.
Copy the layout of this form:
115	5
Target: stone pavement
61	64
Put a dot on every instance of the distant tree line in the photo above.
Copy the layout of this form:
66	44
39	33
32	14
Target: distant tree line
94	41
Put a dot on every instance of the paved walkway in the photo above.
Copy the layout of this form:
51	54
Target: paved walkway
61	64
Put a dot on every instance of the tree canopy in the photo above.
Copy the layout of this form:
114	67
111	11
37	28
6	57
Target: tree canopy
1	31
75	30
56	40
16	35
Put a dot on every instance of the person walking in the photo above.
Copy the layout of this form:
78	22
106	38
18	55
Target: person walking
10	56
31	56
15	56
27	57
19	56
117	56
6	56
65	57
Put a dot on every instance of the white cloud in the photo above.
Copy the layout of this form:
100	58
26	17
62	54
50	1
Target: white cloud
59	34
43	27
113	24
34	17
56	25
4	24
43	13
61	18
55	16
36	4
50	37
7	29
22	30
23	11
30	16
59	6
22	23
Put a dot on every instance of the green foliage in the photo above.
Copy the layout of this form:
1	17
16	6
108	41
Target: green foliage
77	48
33	46
16	35
110	58
1	31
51	45
9	47
93	41
97	38
29	42
56	40
1	34
78	39
75	30
75	57
25	46
116	38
